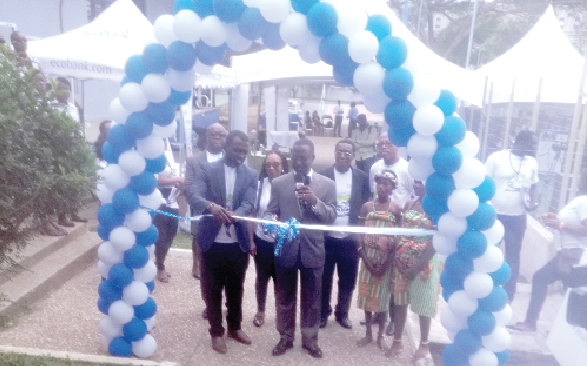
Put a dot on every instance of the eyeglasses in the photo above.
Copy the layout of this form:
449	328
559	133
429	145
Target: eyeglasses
216	134
275	166
344	153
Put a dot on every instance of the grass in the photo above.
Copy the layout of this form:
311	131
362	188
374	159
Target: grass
182	240
13	359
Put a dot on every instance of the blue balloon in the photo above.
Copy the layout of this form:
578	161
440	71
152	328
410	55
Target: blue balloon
104	305
303	6
144	183
156	165
393	52
334	48
322	19
120	139
108	216
161	114
399	114
120	347
124	80
439	186
400	136
134	330
181	56
252	25
272	37
120	275
434	208
155	58
204	7
398	84
109	153
450	283
481	323
483	218
379	25
138	125
104	231
472	244
447	160
486	190
146	310
503	357
467	342
134	69
179	98
109	292
209	55
502	275
229	11
147	237
446	102
495	301
179	5
153	214
136	257
150	286
452	132
458	266
451	356
343	72
125	201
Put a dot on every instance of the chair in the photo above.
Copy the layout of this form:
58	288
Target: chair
328	124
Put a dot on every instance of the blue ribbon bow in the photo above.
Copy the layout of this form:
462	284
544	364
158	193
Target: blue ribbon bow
284	230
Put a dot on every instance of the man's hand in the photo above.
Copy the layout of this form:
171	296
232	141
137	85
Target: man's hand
307	194
220	214
253	250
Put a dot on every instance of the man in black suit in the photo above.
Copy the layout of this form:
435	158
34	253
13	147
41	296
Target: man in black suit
309	197
352	191
225	189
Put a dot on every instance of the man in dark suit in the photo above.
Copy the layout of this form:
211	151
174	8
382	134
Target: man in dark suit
352	191
225	189
311	201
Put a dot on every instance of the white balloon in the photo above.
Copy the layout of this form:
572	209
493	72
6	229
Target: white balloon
274	11
499	340
234	39
103	269
483	357
463	202
120	312
212	31
145	274
144	348
181	80
104	193
451	322
252	3
155	88
151	147
105	342
132	98
152	201
352	18
478	285
363	47
117	111
202	69
495	234
109	328
420	146
451	225
428	120
420	168
490	261
294	29
138	220
442	257
503	317
122	238
444	245
376	103
131	162
368	79
109	255
163	29
469	146
470	175
462	305
309	50
115	177
425	91
186	26
150	323
136	293
165	131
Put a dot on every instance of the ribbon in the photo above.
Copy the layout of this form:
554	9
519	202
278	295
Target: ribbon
284	231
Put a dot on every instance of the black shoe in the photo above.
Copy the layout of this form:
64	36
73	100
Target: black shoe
313	350
345	322
390	328
282	347
323	322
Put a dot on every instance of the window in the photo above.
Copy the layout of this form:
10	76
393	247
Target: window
437	26
561	19
438	19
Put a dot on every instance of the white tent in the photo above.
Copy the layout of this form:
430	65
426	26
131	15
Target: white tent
545	52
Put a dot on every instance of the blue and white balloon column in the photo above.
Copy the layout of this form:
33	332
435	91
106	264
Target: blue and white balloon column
363	53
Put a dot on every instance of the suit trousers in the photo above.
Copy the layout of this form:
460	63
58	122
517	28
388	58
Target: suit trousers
287	286
514	228
344	254
224	266
337	126
197	258
167	227
265	267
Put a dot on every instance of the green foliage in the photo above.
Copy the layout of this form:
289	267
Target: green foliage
46	165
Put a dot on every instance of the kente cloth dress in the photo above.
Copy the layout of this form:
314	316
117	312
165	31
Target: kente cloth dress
422	290
374	292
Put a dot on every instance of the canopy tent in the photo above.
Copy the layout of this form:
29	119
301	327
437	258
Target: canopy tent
545	52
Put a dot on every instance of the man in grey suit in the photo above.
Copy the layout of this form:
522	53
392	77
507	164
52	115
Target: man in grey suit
309	197
225	189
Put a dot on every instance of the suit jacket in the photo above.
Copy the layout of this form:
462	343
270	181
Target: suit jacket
210	187
360	191
192	166
284	203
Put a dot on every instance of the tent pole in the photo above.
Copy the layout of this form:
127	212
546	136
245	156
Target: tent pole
579	155
259	114
536	110
487	119
510	113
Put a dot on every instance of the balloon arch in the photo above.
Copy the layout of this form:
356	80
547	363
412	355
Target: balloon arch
365	54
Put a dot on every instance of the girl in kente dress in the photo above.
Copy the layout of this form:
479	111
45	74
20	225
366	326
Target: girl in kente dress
377	252
416	275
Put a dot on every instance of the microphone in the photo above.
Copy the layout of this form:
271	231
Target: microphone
300	181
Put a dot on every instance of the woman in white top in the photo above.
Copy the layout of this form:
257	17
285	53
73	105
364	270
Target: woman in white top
572	225
262	244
